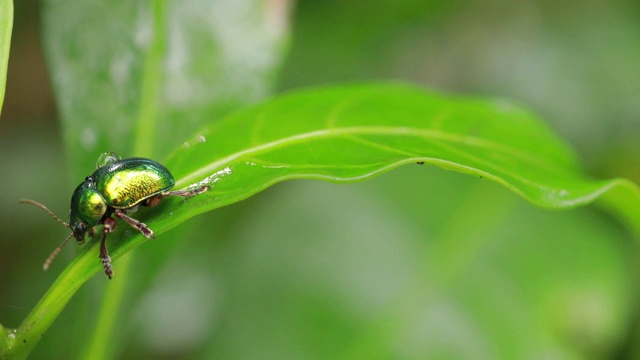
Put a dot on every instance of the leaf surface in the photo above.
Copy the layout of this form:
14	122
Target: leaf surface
354	132
144	75
137	78
6	27
351	133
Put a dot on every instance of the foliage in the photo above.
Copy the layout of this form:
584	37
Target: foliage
124	90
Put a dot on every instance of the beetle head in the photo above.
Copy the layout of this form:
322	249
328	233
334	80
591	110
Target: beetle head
79	229
87	209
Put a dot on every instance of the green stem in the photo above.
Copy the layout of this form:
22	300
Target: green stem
151	83
21	341
102	344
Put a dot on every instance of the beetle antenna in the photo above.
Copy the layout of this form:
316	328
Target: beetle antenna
35	203
55	253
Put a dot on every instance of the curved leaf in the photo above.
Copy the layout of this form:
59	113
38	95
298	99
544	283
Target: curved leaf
6	26
137	78
352	133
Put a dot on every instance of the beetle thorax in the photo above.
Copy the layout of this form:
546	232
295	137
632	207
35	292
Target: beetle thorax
87	206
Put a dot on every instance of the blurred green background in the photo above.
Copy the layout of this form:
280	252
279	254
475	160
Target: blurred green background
417	263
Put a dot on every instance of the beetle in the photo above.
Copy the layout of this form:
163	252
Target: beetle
117	186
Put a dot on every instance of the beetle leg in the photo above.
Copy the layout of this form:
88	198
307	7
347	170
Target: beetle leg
135	224
153	201
187	193
90	233
104	256
109	225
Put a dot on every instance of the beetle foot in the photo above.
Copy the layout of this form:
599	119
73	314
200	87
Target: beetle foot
144	229
187	193
140	226
104	255
153	201
106	264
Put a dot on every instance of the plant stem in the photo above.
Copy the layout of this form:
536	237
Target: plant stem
21	341
151	84
103	342
102	345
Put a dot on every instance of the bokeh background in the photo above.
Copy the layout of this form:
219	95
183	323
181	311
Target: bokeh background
417	263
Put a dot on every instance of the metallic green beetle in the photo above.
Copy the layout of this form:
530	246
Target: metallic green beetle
114	188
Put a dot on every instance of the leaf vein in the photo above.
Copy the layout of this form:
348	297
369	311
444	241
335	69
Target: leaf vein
209	168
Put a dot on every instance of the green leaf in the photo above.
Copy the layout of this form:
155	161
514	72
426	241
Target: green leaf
6	26
351	133
137	79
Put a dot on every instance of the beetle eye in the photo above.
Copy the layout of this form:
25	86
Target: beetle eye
79	229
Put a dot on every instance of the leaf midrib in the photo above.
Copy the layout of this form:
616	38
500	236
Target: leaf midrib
528	158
